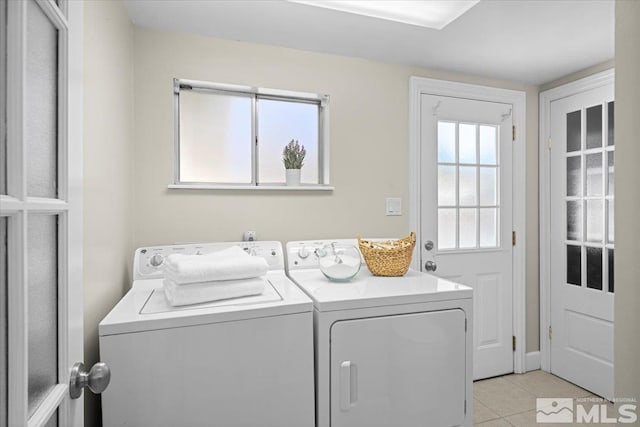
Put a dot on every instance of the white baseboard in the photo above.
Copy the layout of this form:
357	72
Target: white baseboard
532	361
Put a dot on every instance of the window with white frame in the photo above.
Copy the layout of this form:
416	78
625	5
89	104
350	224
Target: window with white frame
234	136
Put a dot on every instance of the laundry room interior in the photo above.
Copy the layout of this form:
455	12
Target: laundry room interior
371	79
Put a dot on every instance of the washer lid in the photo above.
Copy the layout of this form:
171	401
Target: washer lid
143	308
366	290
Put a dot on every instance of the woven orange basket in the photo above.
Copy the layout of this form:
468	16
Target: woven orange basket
388	258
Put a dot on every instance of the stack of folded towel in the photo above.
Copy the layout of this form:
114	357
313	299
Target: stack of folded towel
229	273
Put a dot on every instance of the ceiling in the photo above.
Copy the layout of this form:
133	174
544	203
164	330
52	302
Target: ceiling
529	41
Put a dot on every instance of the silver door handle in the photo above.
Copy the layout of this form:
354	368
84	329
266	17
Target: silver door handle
428	245
430	266
97	379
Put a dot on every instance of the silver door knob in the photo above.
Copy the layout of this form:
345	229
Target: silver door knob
97	379
428	245
430	266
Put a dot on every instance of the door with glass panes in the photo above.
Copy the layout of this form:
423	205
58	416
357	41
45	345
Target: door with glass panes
582	151
40	211
466	208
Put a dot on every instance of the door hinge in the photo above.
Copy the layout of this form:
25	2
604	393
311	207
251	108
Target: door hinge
514	342
513	133
549	143
550	332
513	238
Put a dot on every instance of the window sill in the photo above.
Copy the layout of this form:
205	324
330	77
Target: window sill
269	187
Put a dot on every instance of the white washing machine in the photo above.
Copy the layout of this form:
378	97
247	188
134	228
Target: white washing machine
239	362
390	351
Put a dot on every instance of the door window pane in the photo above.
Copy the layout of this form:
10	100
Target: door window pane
280	122
611	269
610	133
468	190
574	124
215	137
611	173
42	262
574	265
488	186
574	178
594	174
488	143
446	142
467	143
594	127
41	103
446	185
468	228
488	227
4	368
594	268
447	228
595	221
3	97
574	220
610	221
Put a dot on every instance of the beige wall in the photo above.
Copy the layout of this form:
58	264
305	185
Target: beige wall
627	267
369	148
108	166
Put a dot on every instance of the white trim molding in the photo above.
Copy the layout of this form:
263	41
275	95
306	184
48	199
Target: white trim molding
419	86
594	81
533	361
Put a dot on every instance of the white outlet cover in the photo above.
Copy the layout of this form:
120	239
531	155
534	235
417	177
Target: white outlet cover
394	206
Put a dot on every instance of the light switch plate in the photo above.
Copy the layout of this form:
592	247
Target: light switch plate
394	206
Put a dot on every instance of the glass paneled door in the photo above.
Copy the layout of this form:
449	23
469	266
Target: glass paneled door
582	150
466	215
40	208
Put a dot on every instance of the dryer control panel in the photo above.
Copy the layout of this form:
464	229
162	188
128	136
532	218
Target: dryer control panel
304	254
148	262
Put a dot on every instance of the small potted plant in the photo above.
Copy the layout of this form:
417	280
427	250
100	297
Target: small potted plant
293	159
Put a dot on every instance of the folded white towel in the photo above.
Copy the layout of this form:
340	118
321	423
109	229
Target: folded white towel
196	293
229	264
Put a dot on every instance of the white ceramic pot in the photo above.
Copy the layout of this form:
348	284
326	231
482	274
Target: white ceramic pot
293	177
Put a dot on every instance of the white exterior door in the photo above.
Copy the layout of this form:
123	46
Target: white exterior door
401	370
581	239
40	211
466	208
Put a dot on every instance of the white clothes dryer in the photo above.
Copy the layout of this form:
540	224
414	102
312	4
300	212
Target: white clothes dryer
390	351
238	362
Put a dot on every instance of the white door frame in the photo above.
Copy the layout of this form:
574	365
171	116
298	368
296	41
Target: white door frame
546	98
419	86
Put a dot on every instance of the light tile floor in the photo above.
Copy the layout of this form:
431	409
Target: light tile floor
510	400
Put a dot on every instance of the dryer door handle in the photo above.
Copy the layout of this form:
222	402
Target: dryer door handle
348	385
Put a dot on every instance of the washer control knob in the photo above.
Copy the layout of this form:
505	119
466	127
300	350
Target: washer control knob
303	253
156	260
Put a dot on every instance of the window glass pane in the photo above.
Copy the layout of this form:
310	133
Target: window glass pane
595	220
3	98
594	127
611	173
610	133
53	421
488	144
468	228
3	321
573	131
278	123
611	270
574	265
594	268
446	142
468	190
594	174
41	103
215	137
446	228
467	143
488	186
574	187
610	221
488	227
574	220
446	185
42	262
